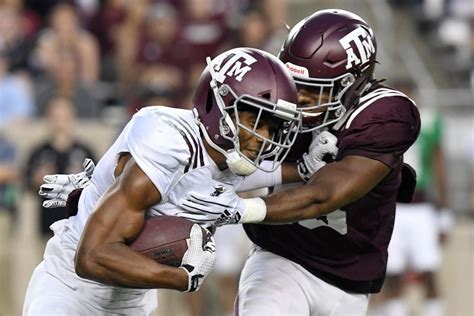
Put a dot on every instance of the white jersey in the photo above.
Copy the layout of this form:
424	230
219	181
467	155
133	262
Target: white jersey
167	146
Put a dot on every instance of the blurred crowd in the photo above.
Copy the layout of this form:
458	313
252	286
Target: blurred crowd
117	52
447	26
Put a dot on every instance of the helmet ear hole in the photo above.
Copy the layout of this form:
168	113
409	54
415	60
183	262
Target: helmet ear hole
266	95
209	100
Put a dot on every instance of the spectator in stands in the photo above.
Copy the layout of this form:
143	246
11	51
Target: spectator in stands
126	41
17	29
276	10
164	77
43	8
204	30
162	56
15	100
161	42
69	59
422	224
66	35
256	31
29	21
60	153
150	93
105	25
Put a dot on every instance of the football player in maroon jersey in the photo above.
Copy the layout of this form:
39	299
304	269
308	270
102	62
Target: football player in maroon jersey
330	250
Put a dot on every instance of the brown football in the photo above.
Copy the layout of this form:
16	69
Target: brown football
163	239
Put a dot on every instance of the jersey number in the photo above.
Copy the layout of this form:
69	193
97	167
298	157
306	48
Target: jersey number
336	220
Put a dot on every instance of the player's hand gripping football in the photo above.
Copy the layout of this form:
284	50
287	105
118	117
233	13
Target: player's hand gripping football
199	259
56	187
322	145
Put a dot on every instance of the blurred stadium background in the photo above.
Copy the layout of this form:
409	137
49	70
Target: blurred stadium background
72	73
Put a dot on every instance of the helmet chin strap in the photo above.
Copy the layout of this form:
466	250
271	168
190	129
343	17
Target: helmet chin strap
239	165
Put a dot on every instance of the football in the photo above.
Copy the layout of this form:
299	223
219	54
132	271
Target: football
163	239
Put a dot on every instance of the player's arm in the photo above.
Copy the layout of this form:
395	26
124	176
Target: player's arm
345	181
335	185
286	173
102	253
331	186
289	173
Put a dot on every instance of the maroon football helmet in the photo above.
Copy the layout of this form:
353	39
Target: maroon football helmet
247	79
332	54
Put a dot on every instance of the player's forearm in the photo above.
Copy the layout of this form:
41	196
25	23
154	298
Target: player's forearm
117	264
330	188
289	173
296	204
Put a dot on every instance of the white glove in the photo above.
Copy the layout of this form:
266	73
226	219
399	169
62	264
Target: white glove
322	144
222	210
57	187
199	259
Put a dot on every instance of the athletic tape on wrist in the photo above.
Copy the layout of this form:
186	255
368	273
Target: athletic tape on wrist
255	211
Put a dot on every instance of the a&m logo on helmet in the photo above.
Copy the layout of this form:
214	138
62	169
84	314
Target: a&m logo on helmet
362	40
235	64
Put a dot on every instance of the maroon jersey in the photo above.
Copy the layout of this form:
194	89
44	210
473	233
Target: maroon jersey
348	247
300	146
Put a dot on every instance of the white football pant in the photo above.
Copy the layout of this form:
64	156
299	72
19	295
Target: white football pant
55	288
272	285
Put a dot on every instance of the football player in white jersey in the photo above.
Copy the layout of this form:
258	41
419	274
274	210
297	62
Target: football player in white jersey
244	113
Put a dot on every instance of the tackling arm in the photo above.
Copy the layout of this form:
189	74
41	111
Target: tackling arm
102	254
287	173
335	185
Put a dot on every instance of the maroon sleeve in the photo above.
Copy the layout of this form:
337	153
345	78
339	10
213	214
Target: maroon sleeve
382	131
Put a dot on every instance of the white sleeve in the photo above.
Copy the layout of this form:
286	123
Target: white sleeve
260	179
158	149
